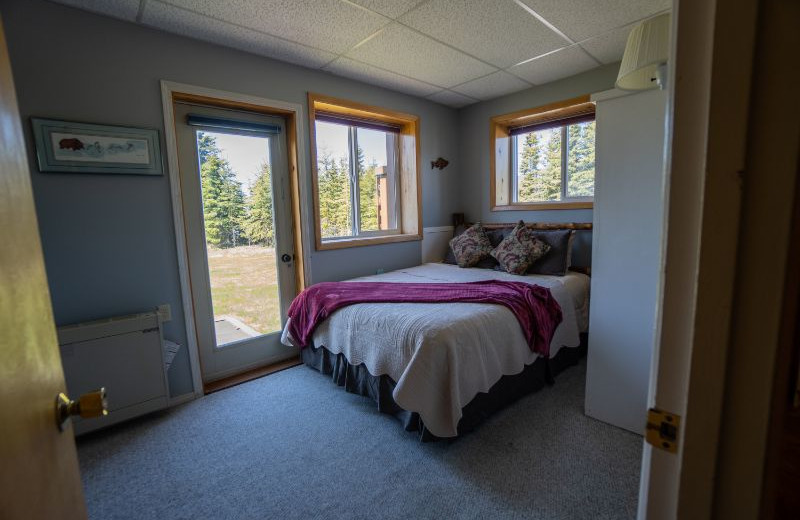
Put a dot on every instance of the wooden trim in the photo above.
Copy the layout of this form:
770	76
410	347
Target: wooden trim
548	112
539	206
346	107
367	241
499	165
410	189
543	226
500	173
293	154
185	97
783	444
748	69
312	144
250	375
171	92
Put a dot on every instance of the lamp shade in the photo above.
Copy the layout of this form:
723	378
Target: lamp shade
646	51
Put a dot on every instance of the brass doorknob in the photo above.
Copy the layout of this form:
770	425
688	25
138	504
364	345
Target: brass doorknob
93	404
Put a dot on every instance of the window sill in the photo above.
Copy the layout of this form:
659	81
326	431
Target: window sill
366	241
539	206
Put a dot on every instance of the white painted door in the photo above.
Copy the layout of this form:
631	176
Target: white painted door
626	254
236	204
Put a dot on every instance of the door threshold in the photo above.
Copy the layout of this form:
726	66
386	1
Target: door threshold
249	375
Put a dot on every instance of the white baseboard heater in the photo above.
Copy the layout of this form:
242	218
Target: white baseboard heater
125	355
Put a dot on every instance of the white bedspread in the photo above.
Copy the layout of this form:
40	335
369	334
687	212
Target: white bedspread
442	355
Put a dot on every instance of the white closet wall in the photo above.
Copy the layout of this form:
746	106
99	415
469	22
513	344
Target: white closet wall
626	254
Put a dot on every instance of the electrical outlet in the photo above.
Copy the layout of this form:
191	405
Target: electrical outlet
380	271
165	312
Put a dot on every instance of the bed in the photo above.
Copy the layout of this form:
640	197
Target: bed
442	368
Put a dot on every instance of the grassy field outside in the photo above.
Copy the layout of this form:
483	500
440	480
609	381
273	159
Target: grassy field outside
244	285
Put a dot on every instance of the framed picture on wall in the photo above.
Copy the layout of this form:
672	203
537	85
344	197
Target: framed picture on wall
68	147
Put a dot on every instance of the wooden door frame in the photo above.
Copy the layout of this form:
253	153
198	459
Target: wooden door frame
294	113
709	82
715	308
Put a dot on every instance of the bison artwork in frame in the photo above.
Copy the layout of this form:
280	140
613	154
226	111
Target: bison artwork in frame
68	147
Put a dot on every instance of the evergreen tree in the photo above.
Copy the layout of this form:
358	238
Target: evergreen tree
552	176
580	159
539	165
223	198
333	178
258	223
367	193
206	146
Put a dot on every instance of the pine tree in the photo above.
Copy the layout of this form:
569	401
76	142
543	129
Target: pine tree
539	165
580	159
223	198
529	163
333	188
367	193
258	223
552	175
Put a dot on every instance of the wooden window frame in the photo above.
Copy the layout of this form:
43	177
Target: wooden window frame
501	176
409	194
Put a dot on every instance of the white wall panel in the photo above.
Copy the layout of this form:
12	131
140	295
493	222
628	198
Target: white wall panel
626	256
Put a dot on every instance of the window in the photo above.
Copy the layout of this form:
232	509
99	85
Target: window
365	174
554	163
356	178
544	158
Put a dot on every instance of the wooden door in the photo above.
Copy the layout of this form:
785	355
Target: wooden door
39	476
782	469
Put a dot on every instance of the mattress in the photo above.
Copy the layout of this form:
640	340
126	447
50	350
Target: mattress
442	355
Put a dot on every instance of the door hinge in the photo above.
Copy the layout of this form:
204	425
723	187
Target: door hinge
662	429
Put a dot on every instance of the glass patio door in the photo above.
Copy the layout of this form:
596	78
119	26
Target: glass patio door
240	246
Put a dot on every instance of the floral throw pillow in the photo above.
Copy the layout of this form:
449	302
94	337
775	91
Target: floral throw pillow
471	246
519	250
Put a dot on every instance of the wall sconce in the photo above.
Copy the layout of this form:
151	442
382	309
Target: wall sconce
440	163
644	62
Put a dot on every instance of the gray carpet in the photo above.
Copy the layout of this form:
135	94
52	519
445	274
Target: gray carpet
294	445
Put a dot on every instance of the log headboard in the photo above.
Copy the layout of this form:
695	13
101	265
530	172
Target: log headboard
581	246
543	226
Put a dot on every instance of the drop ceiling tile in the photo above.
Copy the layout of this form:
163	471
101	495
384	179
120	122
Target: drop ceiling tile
561	64
330	25
124	9
452	99
501	33
390	8
581	19
370	74
179	21
609	47
494	85
411	54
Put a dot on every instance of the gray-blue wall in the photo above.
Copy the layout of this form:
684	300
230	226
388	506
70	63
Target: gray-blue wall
108	240
475	149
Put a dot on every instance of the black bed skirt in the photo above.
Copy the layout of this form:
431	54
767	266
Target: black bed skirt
357	379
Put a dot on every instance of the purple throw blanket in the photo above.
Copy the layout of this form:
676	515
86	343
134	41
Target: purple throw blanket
535	308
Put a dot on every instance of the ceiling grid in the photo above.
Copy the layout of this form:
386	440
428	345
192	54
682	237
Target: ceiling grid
453	52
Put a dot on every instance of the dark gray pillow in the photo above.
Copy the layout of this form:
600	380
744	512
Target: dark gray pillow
450	257
556	261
